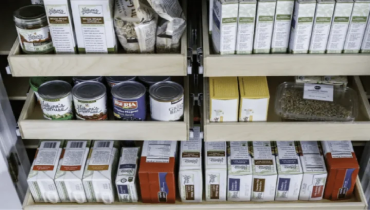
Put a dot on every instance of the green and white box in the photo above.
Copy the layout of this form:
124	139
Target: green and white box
339	26
365	47
314	171
239	172
225	15
282	26
99	172
190	173
127	175
357	26
302	23
321	26
246	23
41	177
215	170
68	178
289	172
59	16
264	26
264	171
93	21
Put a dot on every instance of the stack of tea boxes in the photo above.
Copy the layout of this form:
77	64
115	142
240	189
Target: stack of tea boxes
100	171
295	26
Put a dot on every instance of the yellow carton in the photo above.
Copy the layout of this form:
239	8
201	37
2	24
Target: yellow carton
224	99
254	99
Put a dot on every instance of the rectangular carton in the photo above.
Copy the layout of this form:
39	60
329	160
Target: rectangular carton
190	172
254	99
357	26
339	26
264	171
240	176
210	14
246	23
365	47
41	177
93	21
157	172
224	99
321	26
225	15
314	171
343	168
264	26
282	25
100	171
304	13
126	179
215	171
59	17
69	175
289	171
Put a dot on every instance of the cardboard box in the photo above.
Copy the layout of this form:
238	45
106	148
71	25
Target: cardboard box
321	26
289	170
93	21
190	172
127	174
68	178
264	26
264	171
365	47
282	26
343	169
224	99
339	26
44	167
239	177
157	172
100	170
246	23
225	15
254	99
357	26
304	13
314	171
59	17
215	171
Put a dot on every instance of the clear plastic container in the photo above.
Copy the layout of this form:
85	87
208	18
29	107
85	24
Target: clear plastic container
290	105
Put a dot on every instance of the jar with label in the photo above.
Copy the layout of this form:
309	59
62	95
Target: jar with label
33	30
56	100
166	101
90	101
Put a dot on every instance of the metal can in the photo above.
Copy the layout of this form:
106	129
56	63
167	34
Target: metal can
90	100
149	81
35	83
129	102
112	81
166	101
56	100
77	80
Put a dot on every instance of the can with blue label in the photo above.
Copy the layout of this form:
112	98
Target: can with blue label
129	102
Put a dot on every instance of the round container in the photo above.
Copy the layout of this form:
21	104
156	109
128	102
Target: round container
166	101
90	101
77	80
56	100
149	81
33	30
35	83
129	101
112	81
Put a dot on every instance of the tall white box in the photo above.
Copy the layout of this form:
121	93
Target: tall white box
246	24
365	47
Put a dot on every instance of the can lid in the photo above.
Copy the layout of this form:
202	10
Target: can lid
89	90
35	82
122	78
30	12
153	80
86	78
128	90
55	89
166	91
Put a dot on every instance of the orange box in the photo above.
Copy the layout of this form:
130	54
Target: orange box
157	172
342	166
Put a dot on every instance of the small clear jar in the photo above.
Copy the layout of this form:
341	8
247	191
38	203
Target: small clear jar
33	30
